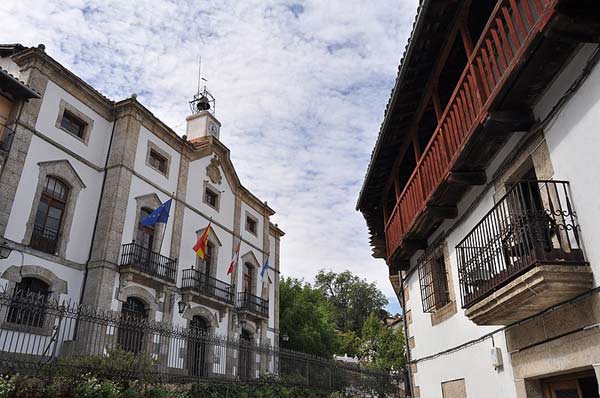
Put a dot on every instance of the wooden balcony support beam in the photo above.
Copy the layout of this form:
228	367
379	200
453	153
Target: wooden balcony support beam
508	121
442	212
467	177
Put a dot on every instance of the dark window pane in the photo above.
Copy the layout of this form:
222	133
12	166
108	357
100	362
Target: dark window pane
72	124
25	307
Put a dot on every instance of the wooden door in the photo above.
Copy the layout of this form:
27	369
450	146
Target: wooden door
563	389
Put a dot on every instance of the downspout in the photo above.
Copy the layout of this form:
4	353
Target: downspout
408	381
87	263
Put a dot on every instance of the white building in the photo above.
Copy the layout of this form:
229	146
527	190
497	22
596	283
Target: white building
79	172
482	197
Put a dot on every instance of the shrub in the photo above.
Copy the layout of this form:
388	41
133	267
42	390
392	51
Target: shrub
119	365
7	386
91	387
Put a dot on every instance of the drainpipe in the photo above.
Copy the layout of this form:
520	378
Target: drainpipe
400	295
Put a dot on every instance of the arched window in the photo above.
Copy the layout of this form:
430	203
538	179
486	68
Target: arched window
197	346
248	278
246	355
28	303
49	216
131	335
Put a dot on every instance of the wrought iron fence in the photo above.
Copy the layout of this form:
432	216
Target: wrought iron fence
144	259
252	303
207	285
62	337
533	223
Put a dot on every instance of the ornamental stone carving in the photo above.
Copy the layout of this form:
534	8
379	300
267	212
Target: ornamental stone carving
213	172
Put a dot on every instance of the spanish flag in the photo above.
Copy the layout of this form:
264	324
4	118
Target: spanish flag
200	246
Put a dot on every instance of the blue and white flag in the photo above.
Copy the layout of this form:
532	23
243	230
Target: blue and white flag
161	214
265	268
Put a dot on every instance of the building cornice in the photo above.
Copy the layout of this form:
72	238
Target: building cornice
34	58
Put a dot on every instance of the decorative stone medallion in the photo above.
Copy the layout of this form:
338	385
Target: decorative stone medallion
212	170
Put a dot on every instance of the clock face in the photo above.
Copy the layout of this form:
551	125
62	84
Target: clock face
212	128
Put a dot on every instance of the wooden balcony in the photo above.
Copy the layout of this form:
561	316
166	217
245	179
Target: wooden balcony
524	44
524	256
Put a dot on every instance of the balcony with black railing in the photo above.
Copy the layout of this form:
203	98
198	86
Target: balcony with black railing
253	304
524	256
44	239
145	262
206	288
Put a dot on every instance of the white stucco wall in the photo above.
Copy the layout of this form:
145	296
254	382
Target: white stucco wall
95	150
85	209
168	183
573	142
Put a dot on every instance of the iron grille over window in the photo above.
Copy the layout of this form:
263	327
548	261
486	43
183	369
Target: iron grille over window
433	278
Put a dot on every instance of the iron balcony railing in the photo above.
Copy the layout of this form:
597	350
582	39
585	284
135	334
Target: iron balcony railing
533	223
507	36
207	285
250	302
44	239
149	262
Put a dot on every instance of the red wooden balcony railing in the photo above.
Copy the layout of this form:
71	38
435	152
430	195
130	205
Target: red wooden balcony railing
507	35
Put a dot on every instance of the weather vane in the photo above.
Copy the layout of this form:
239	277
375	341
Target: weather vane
203	100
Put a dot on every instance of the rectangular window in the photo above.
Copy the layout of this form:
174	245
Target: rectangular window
251	224
211	198
158	161
433	278
72	124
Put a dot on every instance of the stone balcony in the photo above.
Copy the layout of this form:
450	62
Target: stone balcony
524	256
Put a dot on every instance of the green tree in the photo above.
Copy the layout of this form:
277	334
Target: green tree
306	318
352	299
381	348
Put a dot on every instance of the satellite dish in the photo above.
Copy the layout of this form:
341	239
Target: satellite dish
203	104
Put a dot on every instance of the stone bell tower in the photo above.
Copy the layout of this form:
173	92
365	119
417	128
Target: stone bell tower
202	122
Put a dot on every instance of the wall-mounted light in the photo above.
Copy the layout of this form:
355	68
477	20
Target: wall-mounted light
182	306
285	338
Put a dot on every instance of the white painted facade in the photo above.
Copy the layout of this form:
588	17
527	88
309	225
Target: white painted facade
457	348
88	157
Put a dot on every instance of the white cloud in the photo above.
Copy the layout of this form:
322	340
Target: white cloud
300	87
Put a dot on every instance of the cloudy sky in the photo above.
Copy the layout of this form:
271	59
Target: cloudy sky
300	86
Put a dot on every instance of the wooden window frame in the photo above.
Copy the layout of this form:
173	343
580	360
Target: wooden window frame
52	201
252	219
155	152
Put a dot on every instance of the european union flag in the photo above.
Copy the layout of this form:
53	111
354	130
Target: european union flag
264	268
161	214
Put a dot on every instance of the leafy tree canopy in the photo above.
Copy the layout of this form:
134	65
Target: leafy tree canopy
352	299
306	318
381	348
